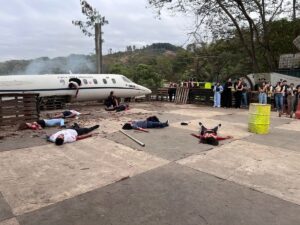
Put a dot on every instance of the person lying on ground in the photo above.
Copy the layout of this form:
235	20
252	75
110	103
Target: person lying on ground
71	135
111	101
210	136
150	122
41	124
119	108
68	114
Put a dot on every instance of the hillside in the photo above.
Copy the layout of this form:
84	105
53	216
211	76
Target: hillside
86	63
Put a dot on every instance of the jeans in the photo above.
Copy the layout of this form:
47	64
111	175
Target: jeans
217	99
244	101
54	122
262	98
151	124
279	102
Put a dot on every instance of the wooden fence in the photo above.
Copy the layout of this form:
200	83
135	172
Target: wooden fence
182	95
16	108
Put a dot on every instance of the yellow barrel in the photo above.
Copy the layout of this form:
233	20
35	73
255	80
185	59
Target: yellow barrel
259	118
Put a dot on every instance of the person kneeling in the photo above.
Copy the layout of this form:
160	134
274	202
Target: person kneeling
71	135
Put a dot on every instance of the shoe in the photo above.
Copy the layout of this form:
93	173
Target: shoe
167	123
64	126
200	124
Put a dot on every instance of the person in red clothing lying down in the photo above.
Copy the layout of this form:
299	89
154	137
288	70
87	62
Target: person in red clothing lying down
210	136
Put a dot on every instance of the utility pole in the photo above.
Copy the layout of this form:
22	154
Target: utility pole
94	21
99	41
97	47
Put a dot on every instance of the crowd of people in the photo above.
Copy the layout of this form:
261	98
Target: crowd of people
285	96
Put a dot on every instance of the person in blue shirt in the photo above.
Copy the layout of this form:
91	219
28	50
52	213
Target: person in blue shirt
51	122
41	124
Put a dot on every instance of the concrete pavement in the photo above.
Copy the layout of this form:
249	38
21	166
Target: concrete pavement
109	179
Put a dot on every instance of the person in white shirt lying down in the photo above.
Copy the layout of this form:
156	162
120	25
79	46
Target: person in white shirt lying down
71	135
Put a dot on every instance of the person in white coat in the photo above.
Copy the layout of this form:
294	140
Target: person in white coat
218	89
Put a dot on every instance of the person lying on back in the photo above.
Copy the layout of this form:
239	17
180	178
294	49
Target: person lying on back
210	136
41	124
67	114
71	135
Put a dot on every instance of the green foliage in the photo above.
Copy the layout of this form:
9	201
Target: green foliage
153	64
145	75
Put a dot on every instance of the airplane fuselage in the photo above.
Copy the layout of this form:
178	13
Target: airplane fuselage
92	87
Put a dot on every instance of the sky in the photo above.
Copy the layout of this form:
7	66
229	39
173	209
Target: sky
37	28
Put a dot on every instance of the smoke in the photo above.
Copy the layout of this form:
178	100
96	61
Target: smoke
60	65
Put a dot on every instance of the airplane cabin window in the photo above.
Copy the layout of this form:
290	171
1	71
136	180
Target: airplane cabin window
95	81
104	81
85	81
126	80
113	80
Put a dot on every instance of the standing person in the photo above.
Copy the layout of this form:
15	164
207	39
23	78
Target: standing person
279	90
218	89
172	91
256	86
244	101
262	96
285	104
238	93
269	93
297	101
227	93
291	92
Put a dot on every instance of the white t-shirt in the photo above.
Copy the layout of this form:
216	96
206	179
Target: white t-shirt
75	112
70	135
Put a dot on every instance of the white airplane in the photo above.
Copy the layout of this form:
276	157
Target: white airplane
89	86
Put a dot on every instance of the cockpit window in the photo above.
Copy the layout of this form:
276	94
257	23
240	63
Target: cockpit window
126	80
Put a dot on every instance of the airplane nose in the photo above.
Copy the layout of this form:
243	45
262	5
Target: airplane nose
147	91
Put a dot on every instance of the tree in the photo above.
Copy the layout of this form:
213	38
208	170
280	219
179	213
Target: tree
145	75
93	21
224	18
